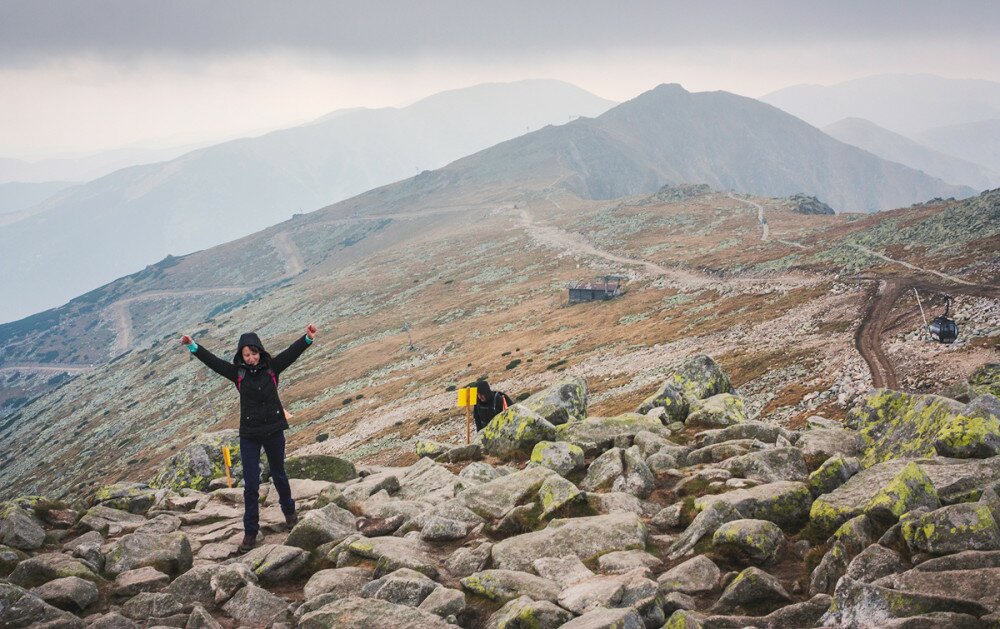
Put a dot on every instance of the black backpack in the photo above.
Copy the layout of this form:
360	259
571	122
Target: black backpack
243	372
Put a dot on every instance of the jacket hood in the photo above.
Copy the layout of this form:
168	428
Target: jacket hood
483	388
250	339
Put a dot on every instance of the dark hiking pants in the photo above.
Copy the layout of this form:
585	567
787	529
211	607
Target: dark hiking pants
274	447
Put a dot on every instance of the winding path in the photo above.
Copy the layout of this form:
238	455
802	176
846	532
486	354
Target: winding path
761	220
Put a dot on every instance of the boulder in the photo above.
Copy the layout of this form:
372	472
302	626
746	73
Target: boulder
9	558
832	473
875	562
752	586
705	523
342	582
49	567
786	503
515	431
196	465
506	585
273	563
402	587
820	444
805	614
227	581
466	561
561	402
717	411
320	526
110	522
20	608
147	605
19	529
561	457
525	613
620	470
558	496
114	620
697	575
718	452
132	497
563	570
195	585
72	594
696	378
952	529
132	582
585	537
256	607
831	567
752	541
977	584
169	553
625	590
910	489
896	424
441	529
986	380
444	602
431	449
756	430
622	561
320	467
857	604
370	612
596	434
768	466
494	499
393	553
602	618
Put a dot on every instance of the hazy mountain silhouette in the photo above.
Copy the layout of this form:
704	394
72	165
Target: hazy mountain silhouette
17	196
976	141
130	218
897	148
904	103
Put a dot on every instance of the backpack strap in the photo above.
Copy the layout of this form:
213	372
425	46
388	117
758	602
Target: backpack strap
243	372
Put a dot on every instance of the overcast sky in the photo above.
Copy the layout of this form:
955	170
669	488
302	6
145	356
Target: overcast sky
83	76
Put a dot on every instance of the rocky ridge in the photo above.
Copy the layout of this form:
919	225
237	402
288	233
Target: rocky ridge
682	514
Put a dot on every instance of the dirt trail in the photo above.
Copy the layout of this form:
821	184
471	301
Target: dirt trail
761	220
294	264
944	276
47	367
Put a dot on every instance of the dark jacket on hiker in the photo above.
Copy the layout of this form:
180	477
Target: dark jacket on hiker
261	412
494	403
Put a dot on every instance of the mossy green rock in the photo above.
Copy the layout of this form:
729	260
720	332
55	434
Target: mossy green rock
786	503
898	425
19	529
749	541
558	496
431	449
718	411
559	456
561	402
515	431
832	473
507	585
196	465
359	613
685	619
494	499
132	497
525	613
320	467
986	380
910	489
696	378
596	434
48	567
952	529
170	553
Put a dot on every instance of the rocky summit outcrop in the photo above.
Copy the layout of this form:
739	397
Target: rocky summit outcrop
689	512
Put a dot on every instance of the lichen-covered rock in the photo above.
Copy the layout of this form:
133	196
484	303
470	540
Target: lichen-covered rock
465	561
909	490
196	465
342	582
603	618
169	553
559	456
256	607
986	380
18	529
875	562
72	594
132	582
768	466
430	448
596	434
895	425
320	526
717	411
561	402
786	503
832	473
132	497
820	444
48	567
685	619
494	499
952	529
19	608
696	378
320	467
506	585
370	612
705	523
585	537
110	522
444	602
558	496
273	563
753	541
393	553
525	613
718	452
515	431
402	587
622	561
620	470
760	431
752	586
148	605
695	576
857	604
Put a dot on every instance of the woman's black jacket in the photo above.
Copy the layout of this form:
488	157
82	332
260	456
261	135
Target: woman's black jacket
261	412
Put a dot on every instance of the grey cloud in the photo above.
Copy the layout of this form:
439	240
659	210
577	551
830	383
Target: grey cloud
31	30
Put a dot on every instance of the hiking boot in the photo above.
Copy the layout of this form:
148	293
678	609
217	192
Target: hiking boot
291	519
249	540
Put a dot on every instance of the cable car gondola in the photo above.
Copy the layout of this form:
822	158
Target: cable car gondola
942	329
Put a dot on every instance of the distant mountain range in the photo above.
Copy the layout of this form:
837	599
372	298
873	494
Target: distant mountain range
897	148
974	141
121	222
18	196
906	104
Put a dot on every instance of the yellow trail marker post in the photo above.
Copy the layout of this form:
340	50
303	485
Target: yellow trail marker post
229	462
467	397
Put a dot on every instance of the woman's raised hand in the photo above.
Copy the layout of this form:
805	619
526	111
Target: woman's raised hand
311	331
186	340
